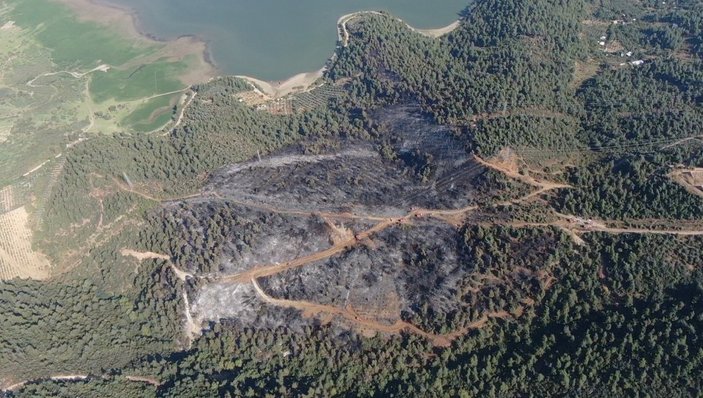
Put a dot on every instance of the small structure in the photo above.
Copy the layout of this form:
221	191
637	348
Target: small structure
637	63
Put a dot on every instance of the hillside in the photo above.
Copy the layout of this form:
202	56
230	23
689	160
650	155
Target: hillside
513	208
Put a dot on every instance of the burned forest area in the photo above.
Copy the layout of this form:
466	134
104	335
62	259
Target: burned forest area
368	236
507	207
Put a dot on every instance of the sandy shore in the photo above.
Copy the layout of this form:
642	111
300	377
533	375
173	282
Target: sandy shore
343	34
438	32
278	89
125	22
303	81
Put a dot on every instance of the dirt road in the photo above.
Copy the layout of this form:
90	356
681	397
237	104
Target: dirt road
141	256
343	34
147	196
184	107
573	225
268	270
525	178
313	309
78	377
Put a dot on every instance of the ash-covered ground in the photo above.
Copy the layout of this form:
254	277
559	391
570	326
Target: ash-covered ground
414	164
395	273
333	236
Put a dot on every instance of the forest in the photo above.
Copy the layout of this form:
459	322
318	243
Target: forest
490	213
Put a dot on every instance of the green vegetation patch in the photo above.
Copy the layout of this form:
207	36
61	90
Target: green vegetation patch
153	114
137	82
74	43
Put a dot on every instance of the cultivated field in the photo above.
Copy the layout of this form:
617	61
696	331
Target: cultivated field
17	259
7	199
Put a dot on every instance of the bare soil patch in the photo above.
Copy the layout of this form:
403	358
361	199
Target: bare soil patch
690	179
584	71
438	32
278	89
508	163
614	47
141	256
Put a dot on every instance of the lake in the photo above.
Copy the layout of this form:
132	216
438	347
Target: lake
274	39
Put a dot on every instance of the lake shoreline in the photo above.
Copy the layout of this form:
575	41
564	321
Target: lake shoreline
129	22
303	81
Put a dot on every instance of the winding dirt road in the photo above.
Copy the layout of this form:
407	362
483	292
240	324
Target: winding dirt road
572	225
78	377
440	340
269	270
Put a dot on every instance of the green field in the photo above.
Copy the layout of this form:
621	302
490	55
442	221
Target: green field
142	81
152	114
73	43
63	78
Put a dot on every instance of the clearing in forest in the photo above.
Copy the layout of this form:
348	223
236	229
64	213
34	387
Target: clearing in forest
690	179
17	259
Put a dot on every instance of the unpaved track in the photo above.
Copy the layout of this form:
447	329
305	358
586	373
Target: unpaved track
61	377
437	32
681	141
78	377
141	256
125	188
575	226
525	178
340	247
76	75
643	231
184	107
570	224
143	379
343	33
440	340
192	329
294	212
269	270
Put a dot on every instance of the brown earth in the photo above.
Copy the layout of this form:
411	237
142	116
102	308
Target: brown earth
690	179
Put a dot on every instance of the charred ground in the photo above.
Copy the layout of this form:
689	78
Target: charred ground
370	235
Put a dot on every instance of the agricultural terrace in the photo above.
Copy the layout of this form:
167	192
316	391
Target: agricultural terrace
17	259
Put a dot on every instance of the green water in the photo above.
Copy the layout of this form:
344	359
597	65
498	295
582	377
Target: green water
274	39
